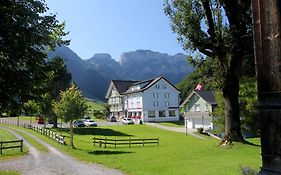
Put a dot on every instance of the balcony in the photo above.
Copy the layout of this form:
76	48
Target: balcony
196	114
113	101
116	109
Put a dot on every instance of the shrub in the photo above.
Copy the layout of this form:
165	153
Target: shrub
248	171
200	130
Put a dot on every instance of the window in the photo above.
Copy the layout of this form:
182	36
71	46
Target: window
172	113
155	103
187	108
167	95
157	86
131	104
164	86
138	104
197	107
162	114
167	103
206	109
155	95
151	114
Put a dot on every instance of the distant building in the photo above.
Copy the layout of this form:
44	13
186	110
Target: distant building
198	108
151	100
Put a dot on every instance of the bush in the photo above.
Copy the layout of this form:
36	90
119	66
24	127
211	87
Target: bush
200	130
248	171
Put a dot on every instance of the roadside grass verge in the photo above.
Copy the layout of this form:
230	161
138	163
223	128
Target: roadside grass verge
8	172
10	153
173	124
177	153
29	139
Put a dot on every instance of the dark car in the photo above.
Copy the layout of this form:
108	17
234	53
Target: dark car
111	119
79	123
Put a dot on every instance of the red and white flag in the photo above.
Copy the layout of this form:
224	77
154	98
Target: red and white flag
199	87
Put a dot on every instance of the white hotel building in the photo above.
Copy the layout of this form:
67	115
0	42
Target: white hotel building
151	100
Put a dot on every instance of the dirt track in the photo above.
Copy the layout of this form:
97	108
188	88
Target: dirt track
52	163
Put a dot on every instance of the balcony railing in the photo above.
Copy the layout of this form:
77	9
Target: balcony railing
196	114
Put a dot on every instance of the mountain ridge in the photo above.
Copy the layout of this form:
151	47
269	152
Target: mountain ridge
93	75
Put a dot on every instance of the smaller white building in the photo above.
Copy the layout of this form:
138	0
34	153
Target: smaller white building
198	108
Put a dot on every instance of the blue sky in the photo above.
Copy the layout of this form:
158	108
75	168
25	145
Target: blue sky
115	26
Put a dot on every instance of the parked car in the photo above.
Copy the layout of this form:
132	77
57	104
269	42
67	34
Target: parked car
79	123
40	120
90	122
127	121
111	119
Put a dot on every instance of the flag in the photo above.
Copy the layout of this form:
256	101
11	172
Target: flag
199	87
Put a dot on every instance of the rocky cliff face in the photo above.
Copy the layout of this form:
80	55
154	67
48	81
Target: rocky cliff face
93	75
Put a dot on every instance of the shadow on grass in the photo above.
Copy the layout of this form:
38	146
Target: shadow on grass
250	143
105	152
95	131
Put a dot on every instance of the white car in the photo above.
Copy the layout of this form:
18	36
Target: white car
90	122
127	121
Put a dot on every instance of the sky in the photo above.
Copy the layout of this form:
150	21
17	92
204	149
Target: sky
115	26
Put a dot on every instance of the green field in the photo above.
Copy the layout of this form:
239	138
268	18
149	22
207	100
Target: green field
10	153
173	124
177	153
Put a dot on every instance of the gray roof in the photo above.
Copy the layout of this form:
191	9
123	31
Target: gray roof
207	95
148	84
123	85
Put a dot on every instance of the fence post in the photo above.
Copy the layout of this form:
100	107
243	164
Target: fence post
115	143
94	141
1	146
21	145
129	141
105	143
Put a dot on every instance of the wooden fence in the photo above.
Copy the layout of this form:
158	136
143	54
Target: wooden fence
41	130
129	141
10	145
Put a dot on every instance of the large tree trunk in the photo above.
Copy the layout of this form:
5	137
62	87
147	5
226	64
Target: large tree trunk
267	17
232	112
71	134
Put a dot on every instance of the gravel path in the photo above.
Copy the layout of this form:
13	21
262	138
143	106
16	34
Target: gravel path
52	163
177	129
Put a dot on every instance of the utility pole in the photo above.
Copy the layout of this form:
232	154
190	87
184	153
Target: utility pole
267	35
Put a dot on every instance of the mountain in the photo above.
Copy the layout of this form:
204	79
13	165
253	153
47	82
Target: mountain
93	75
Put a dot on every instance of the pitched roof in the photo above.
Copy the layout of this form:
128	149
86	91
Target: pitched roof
147	84
207	95
123	85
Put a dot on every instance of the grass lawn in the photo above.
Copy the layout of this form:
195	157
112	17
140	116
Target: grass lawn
173	124
10	153
177	153
9	173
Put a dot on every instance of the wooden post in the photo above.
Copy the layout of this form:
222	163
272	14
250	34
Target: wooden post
129	141
21	145
94	141
1	147
267	32
105	143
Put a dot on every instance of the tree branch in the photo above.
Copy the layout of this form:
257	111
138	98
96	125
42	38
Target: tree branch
208	12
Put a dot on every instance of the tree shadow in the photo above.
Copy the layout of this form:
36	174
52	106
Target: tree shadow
99	131
250	143
106	152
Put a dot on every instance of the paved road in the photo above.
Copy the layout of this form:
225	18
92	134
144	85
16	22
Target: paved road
177	129
52	163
